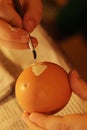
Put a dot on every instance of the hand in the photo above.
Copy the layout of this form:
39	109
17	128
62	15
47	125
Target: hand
39	121
13	30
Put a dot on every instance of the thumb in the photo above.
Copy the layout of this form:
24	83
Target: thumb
78	85
9	14
45	121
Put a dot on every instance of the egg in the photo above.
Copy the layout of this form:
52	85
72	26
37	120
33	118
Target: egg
43	87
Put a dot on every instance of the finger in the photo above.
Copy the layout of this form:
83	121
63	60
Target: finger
15	38
74	122
33	13
45	121
31	125
7	32
13	45
17	45
78	85
9	14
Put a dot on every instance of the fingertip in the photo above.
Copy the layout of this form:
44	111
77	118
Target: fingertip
16	21
25	116
73	74
34	117
29	25
74	79
78	85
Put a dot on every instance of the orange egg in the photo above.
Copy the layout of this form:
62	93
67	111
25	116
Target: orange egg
43	87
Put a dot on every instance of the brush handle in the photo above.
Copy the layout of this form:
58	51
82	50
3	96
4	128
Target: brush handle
18	8
20	11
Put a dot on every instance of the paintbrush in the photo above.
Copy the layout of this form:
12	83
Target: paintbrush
20	11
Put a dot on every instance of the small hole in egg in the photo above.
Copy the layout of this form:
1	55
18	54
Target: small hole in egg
25	86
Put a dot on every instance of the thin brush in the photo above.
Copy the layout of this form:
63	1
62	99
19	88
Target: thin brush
20	11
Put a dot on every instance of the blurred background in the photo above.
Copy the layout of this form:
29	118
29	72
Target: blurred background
65	21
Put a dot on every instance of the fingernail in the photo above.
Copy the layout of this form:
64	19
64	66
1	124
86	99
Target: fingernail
25	116
75	73
33	117
30	25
